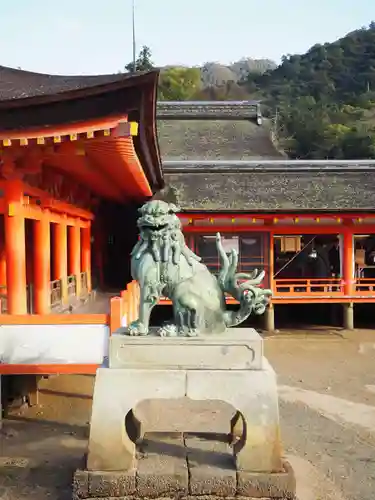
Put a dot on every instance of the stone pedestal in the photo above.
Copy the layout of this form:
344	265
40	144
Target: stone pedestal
269	318
230	368
348	316
236	349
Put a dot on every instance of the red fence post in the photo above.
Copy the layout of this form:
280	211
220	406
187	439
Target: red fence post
115	314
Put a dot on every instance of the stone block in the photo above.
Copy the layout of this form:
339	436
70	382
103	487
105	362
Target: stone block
254	394
116	393
80	484
104	484
211	464
278	485
162	466
248	394
235	349
185	415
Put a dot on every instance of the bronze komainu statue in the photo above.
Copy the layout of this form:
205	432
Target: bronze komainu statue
163	265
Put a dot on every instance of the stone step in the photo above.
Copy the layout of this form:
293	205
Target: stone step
185	466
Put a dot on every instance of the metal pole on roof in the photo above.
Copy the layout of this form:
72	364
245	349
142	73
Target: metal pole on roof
133	23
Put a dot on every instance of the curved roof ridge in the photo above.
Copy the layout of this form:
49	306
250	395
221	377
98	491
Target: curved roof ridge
18	84
39	73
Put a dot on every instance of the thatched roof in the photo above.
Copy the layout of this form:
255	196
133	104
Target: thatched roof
270	189
215	140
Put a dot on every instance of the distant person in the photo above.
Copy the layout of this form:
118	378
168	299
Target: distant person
334	259
302	262
321	264
370	252
369	270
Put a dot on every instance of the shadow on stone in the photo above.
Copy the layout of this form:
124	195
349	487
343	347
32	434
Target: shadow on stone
160	444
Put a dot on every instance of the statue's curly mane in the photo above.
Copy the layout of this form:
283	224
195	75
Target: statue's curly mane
166	244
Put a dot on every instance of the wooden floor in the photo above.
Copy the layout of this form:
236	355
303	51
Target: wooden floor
99	304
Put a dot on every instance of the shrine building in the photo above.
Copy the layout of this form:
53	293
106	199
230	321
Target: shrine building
309	224
78	155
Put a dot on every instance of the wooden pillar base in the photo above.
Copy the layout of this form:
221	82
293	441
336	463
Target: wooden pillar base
86	256
348	316
64	290
75	256
32	389
269	319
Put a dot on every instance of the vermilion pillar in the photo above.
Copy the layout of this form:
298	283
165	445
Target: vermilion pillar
86	255
60	258
3	262
269	315
15	249
75	256
271	257
42	269
348	262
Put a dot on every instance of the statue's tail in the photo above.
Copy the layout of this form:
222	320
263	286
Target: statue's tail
242	287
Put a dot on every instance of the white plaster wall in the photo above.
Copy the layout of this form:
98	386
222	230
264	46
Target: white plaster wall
53	344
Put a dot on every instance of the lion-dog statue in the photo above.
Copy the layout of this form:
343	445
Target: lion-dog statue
164	266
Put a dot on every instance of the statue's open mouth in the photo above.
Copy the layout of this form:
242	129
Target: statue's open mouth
158	227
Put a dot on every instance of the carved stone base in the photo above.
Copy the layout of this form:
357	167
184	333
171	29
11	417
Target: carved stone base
243	379
235	349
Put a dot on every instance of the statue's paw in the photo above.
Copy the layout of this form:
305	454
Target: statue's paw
136	328
181	331
192	332
162	332
168	330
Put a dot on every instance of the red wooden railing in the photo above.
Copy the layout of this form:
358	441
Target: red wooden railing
364	286
124	309
329	287
293	286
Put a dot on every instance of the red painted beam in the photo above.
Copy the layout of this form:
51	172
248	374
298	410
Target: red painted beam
282	230
48	369
271	216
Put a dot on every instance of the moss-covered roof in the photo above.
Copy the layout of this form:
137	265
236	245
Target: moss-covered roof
215	140
269	191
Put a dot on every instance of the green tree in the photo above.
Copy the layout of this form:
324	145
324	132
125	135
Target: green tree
313	130
179	84
324	98
230	91
143	61
359	142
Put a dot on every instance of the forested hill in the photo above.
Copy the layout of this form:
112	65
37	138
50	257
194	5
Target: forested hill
322	103
324	100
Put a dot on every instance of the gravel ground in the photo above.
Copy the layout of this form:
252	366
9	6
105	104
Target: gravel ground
341	453
327	405
341	446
